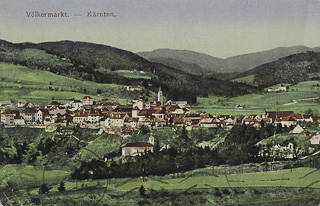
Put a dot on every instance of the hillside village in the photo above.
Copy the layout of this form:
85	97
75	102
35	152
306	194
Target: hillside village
123	119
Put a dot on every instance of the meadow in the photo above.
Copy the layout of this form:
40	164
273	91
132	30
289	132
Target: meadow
295	99
37	86
133	74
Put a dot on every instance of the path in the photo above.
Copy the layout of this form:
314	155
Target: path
314	154
294	101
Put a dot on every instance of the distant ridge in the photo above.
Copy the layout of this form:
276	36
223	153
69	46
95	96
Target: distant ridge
210	65
290	69
100	63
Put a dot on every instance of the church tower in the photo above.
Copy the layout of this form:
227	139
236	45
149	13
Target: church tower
160	96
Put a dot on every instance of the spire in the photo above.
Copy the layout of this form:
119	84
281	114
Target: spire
160	96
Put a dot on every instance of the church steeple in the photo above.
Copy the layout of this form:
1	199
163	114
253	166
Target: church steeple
160	96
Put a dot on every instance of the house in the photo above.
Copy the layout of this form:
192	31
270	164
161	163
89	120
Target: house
238	106
5	104
134	88
131	122
276	114
315	140
7	117
287	121
108	105
116	119
94	116
76	104
138	148
53	104
87	100
297	130
80	117
21	103
207	122
29	115
282	89
140	104
159	122
18	121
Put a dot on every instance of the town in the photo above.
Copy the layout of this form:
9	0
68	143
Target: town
123	119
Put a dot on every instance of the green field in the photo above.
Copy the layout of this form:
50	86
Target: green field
19	82
299	177
132	74
258	103
247	79
27	176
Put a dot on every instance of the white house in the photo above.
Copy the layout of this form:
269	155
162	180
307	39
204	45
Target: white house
136	148
76	104
297	130
87	100
19	121
315	139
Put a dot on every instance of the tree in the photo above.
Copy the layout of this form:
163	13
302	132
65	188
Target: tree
142	191
62	187
44	189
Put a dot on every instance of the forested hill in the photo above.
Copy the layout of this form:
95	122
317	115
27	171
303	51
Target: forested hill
291	69
100	63
213	65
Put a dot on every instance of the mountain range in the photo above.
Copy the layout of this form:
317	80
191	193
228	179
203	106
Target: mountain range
99	63
203	64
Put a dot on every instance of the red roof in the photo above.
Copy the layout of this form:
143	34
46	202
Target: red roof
138	144
87	97
29	111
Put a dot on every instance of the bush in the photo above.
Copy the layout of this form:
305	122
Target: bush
142	191
62	187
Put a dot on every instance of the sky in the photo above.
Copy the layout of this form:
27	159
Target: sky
220	28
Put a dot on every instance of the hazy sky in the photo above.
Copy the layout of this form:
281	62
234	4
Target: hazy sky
220	28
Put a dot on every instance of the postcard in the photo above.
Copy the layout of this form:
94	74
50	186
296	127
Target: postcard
118	102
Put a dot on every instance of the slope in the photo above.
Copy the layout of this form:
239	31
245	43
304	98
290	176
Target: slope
291	69
20	82
211	65
100	63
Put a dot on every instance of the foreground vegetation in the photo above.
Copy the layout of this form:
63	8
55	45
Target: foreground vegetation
284	186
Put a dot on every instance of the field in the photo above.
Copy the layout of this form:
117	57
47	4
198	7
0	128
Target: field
133	74
19	82
298	98
247	79
301	177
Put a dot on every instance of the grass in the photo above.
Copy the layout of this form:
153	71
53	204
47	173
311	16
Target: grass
297	177
132	74
20	82
247	79
100	147
26	176
284	139
257	103
283	178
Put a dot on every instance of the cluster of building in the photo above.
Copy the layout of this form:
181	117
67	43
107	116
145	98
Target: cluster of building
279	89
123	119
116	118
